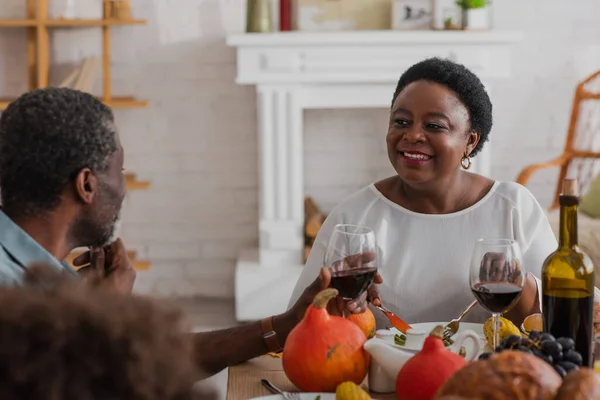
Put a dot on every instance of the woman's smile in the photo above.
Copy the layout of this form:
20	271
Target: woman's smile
414	158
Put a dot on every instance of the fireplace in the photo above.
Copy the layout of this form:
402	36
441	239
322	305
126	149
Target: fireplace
298	71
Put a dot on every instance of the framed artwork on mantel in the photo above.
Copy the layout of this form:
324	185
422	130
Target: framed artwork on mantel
412	14
342	15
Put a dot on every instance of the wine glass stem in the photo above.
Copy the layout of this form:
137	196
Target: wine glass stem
496	324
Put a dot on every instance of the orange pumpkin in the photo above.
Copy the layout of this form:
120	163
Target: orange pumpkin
365	321
323	350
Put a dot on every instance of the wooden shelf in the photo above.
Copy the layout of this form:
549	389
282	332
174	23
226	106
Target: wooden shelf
38	25
17	23
68	23
115	102
125	102
73	23
133	184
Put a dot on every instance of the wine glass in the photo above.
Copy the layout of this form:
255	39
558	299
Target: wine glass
497	277
351	257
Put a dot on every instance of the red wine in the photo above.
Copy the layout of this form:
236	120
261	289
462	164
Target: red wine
350	283
571	317
496	297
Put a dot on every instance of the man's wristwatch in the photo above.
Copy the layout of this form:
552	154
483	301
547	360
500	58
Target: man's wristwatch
270	336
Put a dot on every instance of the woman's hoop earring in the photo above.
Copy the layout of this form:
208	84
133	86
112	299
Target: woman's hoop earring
465	162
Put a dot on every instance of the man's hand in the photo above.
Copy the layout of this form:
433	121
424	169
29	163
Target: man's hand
111	264
217	350
321	283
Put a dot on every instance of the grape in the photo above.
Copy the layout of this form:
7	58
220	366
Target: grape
552	348
524	349
574	357
547	336
568	366
527	342
567	343
543	356
512	341
559	353
561	371
484	356
535	335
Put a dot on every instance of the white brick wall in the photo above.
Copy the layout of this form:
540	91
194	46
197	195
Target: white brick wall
197	140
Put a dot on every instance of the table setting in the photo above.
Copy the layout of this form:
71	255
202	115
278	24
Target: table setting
331	357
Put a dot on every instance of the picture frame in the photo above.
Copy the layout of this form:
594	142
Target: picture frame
412	14
342	15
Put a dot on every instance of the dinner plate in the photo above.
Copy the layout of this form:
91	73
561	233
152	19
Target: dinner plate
303	396
416	337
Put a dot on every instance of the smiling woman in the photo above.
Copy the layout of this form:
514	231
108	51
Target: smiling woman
428	216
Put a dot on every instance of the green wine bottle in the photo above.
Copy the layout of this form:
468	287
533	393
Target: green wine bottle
568	281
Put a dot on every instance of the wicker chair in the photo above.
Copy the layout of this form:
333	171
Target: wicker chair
580	159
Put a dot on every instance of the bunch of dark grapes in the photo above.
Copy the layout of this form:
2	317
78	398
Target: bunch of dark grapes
560	353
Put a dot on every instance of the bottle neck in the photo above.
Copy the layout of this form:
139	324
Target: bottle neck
568	222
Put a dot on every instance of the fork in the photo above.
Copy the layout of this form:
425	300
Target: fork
274	389
452	327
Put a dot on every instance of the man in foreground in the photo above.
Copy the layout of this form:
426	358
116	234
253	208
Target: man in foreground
61	174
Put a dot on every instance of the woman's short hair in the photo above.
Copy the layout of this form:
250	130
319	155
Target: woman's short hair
461	81
62	340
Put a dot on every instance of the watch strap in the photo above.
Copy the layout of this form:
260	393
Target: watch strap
270	336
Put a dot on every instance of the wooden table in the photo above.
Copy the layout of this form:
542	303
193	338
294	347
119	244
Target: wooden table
244	379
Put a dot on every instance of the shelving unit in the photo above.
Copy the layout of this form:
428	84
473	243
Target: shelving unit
38	26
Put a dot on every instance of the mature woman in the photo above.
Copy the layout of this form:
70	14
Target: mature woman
428	217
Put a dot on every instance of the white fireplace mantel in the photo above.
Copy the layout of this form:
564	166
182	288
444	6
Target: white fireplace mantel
296	71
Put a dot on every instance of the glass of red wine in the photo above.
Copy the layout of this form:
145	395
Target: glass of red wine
351	257
497	277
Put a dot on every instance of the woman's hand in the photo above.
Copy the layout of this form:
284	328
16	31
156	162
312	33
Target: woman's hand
359	305
498	269
371	295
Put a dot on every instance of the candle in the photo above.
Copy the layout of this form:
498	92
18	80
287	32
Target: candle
285	15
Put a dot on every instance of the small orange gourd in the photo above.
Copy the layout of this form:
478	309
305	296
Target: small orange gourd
365	321
422	375
323	350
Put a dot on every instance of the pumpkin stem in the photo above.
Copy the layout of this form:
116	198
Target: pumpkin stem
322	298
438	332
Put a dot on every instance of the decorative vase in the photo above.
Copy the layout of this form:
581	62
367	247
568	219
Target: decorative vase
475	18
260	18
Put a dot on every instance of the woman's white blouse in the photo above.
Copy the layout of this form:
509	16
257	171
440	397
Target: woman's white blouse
424	258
